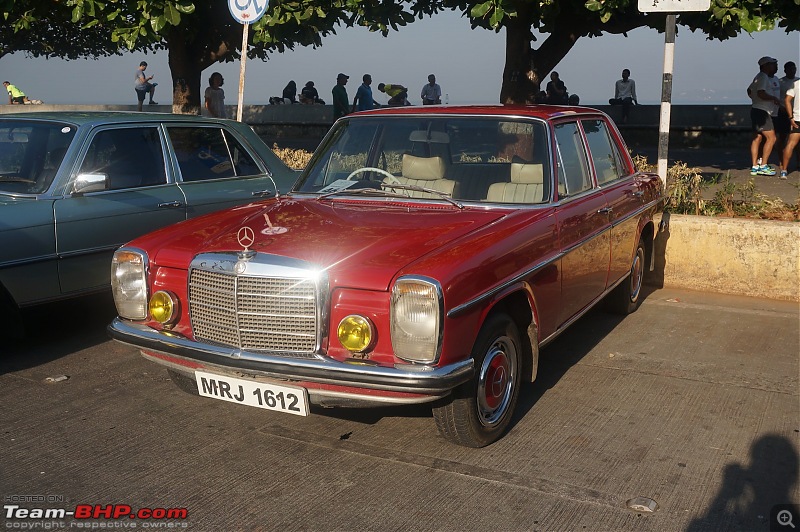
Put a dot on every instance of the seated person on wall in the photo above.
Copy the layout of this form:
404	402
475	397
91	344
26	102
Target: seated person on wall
624	94
309	95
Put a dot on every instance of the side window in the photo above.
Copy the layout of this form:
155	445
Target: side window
605	157
573	169
129	157
209	153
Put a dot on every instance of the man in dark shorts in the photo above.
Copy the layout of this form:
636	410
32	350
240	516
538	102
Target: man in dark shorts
143	86
765	92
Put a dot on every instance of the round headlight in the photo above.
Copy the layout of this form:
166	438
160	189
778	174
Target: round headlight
356	333
163	307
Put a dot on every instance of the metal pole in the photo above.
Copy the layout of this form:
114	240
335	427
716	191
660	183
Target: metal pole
241	72
666	98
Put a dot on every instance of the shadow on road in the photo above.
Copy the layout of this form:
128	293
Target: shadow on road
748	495
57	329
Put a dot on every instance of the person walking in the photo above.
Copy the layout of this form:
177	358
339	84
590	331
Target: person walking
363	100
782	126
764	91
143	86
431	92
625	94
215	96
792	106
341	102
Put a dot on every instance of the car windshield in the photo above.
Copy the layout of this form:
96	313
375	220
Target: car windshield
480	159
31	153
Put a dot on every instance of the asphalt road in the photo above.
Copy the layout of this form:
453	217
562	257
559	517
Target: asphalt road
691	402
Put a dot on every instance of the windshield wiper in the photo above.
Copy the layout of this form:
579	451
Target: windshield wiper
367	191
15	179
417	188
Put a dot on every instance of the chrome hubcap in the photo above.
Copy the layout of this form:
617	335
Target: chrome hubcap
496	381
637	274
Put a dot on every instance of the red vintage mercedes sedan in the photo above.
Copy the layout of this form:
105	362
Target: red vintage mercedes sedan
425	255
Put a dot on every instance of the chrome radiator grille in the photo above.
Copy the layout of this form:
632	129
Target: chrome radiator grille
257	313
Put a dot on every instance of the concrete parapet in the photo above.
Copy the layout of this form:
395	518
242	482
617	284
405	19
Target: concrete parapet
757	258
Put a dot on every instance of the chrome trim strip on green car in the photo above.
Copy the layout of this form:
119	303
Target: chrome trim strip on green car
413	378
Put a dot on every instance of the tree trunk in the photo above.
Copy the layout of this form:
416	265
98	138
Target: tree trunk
520	81
186	72
525	67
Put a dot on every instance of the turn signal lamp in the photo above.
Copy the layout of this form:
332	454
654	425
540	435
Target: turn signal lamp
163	307
356	333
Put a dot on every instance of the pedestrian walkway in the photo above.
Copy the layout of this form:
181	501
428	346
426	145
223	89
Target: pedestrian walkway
715	164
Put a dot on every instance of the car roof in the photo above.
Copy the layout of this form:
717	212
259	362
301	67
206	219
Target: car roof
108	117
536	111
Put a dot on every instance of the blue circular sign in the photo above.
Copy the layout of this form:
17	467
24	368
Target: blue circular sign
247	11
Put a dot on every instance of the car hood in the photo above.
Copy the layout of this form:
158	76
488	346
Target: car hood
359	243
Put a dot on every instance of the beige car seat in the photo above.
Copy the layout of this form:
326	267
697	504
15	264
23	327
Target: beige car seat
427	172
526	186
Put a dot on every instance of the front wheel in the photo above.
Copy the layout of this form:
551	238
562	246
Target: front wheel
479	412
626	296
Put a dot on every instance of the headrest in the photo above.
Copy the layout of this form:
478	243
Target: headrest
528	174
426	168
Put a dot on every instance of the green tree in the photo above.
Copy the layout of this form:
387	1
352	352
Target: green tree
200	33
196	33
561	23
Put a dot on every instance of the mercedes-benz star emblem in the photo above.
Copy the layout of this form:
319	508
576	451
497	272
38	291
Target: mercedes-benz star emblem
246	237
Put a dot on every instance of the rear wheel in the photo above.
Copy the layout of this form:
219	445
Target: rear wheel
626	296
479	412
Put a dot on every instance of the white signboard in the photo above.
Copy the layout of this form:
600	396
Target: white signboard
247	11
673	6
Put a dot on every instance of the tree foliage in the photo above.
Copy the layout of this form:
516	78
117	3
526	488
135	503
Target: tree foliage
561	23
199	33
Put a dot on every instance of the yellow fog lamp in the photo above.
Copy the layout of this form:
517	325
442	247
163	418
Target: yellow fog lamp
163	307
356	333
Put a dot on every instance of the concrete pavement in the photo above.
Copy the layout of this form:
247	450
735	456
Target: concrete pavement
692	402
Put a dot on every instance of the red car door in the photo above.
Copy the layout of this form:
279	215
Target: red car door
583	225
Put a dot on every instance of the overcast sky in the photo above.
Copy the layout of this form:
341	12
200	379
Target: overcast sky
468	65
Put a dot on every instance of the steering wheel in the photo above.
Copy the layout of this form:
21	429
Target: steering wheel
369	169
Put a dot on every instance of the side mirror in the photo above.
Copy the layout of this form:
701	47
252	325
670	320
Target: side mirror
89	183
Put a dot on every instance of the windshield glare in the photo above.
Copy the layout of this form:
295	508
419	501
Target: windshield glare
481	159
30	154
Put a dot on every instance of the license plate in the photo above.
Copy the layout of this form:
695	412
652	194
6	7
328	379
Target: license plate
287	399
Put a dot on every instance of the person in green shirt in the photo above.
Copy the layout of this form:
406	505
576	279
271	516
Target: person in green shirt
341	102
14	94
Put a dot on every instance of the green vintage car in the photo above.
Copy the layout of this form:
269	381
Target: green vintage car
76	186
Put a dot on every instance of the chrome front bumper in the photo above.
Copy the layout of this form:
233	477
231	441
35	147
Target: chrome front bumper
415	379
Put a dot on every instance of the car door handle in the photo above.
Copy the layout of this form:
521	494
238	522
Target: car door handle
262	193
636	194
170	204
605	210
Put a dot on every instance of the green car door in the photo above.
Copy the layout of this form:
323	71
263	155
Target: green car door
138	198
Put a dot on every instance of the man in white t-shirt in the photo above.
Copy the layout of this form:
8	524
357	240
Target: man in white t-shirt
764	91
793	109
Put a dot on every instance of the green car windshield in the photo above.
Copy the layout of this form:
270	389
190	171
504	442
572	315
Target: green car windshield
31	153
483	159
